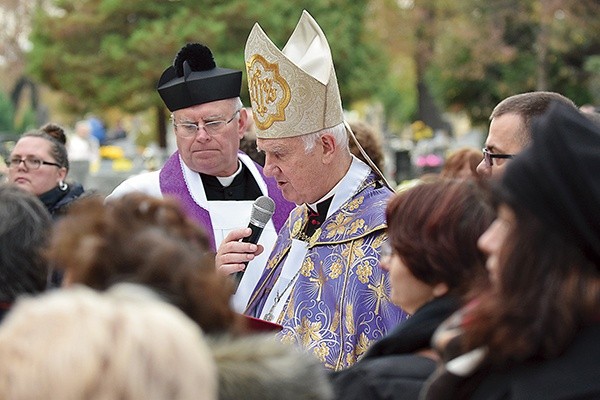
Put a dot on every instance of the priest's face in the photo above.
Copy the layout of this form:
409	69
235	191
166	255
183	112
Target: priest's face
208	136
299	173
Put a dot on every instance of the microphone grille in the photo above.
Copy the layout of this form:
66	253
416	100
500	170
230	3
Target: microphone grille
262	210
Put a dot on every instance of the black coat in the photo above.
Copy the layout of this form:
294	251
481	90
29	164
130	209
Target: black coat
574	375
390	369
57	200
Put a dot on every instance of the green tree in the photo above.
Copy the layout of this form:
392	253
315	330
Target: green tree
103	53
6	114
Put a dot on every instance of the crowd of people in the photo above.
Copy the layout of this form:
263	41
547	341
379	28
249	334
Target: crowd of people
480	282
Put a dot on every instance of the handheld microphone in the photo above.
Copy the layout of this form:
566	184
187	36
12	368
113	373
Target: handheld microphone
262	211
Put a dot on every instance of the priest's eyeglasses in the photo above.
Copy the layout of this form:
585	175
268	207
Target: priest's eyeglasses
189	129
30	163
488	157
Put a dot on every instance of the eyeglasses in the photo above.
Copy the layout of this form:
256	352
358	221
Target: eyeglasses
385	251
190	129
30	163
488	157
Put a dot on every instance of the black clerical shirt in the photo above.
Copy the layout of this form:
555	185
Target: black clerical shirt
243	187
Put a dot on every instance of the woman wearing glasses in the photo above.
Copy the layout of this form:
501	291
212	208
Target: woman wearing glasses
39	164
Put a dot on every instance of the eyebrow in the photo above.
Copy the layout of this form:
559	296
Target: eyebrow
213	117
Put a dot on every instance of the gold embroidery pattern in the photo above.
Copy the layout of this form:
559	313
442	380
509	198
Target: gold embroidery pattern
307	266
321	352
335	270
269	91
349	320
364	271
380	293
360	349
309	331
338	227
356	225
354	204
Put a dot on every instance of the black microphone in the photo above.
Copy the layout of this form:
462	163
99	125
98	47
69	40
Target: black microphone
262	211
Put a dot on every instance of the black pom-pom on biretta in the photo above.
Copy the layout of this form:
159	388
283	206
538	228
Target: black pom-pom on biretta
198	83
198	56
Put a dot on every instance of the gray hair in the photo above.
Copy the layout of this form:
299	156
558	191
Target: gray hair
339	134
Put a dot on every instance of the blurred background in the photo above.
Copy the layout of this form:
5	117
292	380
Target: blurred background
424	73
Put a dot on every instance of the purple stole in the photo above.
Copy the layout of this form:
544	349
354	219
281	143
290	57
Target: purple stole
172	183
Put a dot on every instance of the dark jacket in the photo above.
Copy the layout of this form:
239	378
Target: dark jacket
390	369
574	375
57	200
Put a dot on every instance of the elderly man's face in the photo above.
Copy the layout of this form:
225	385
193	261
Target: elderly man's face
298	174
211	153
504	137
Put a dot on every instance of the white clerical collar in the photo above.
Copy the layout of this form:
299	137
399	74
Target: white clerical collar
226	180
346	187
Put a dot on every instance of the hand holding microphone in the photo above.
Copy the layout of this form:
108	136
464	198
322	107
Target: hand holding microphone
262	211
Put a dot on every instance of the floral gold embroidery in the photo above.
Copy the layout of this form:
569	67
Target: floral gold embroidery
307	266
356	225
364	271
338	227
287	338
321	352
335	269
309	331
354	204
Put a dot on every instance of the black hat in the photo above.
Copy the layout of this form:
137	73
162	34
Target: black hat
558	176
194	78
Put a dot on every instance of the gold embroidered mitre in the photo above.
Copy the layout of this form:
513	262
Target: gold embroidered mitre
294	91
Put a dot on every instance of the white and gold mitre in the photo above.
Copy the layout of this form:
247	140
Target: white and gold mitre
294	91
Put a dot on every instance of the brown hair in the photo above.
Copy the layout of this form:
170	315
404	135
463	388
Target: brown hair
547	290
434	227
529	105
57	147
370	142
56	131
455	162
141	239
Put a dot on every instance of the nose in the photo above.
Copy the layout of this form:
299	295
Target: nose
202	135
269	168
483	169
486	241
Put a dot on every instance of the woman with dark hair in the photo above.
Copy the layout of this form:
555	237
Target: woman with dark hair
432	258
536	333
39	164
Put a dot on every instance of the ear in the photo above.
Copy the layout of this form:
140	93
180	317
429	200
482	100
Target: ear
242	122
440	289
329	147
62	174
